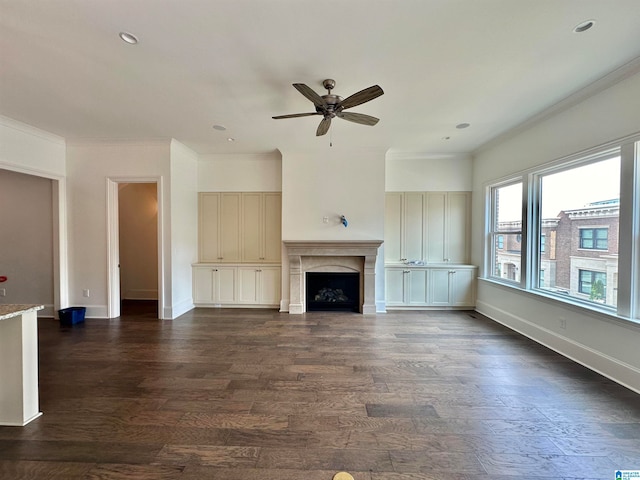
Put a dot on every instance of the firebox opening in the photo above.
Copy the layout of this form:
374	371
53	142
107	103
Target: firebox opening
333	291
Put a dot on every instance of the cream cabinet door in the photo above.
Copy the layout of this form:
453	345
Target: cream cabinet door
214	285
269	293
416	287
413	226
229	227
252	228
463	287
259	285
393	213
440	287
248	278
261	227
272	220
457	225
435	227
447	227
208	227
453	287
203	285
394	286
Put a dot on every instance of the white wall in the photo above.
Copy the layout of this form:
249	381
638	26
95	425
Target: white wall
30	150
330	183
35	152
240	173
184	227
428	173
88	167
26	240
138	228
605	344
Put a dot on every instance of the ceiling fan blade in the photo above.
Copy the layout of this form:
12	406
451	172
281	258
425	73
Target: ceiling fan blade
360	118
360	97
310	94
295	115
324	126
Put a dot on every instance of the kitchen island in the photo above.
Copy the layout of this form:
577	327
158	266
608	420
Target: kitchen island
19	364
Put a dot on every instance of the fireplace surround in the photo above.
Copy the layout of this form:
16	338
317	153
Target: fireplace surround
332	256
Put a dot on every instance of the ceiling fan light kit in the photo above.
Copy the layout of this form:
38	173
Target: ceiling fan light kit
331	106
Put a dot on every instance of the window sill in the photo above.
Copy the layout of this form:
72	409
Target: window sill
577	306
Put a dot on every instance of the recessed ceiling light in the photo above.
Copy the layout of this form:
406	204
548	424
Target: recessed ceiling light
129	37
460	126
231	139
220	128
446	138
584	26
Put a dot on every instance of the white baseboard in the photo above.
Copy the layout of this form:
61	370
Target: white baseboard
620	372
381	306
180	308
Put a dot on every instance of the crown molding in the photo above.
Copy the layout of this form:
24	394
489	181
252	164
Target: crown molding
614	77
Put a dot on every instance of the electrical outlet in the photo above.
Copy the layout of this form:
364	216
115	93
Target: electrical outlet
325	219
85	292
3	292
563	323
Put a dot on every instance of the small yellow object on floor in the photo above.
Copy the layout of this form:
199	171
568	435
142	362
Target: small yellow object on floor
342	476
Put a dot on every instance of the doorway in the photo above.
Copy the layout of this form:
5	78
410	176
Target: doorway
135	247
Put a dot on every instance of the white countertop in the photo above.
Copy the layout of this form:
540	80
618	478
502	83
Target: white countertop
13	310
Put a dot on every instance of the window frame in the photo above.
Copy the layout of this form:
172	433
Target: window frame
494	232
628	275
594	238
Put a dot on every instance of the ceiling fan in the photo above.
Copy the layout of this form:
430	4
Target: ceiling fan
331	106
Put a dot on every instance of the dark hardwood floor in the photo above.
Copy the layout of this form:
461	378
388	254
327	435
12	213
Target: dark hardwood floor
259	395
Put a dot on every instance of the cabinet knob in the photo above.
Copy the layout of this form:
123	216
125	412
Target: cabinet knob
214	270
452	271
406	271
261	258
220	258
258	270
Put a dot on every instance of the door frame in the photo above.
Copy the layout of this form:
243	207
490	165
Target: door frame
113	243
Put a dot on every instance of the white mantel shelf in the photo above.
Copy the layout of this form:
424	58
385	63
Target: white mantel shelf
19	364
332	255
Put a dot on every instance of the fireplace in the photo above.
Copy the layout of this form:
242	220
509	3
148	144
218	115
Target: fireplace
332	256
333	291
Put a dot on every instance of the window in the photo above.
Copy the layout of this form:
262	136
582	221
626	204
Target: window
506	231
594	238
583	221
593	284
557	230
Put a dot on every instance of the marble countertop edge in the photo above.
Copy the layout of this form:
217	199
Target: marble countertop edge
13	310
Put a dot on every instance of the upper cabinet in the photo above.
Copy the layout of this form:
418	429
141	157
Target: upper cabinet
261	227
240	227
219	227
430	227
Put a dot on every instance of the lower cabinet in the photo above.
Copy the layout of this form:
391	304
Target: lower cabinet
236	285
433	287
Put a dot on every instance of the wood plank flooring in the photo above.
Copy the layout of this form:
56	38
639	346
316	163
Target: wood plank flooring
259	395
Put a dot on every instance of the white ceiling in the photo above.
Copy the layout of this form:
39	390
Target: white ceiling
491	63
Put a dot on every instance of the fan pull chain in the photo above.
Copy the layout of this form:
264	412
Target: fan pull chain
331	138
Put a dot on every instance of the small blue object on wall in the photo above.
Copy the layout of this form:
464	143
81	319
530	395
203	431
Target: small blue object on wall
343	220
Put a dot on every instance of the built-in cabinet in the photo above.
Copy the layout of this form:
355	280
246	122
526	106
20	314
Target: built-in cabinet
427	249
430	286
239	246
236	285
430	227
240	227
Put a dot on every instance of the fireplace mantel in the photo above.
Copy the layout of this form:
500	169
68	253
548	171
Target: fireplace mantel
332	255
